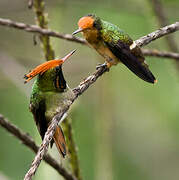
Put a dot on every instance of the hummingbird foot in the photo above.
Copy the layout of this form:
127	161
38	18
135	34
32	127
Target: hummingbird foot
104	65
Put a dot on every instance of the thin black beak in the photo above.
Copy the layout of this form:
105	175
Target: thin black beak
77	31
68	55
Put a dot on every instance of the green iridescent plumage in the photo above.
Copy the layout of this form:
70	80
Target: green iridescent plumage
50	94
111	32
114	45
51	88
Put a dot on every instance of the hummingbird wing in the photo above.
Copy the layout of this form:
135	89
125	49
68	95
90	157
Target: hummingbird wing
38	112
122	51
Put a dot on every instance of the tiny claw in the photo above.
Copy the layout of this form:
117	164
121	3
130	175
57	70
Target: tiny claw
101	66
104	65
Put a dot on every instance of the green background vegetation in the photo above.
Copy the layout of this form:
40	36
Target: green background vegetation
124	127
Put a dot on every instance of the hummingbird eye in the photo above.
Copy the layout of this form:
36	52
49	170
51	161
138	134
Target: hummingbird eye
58	68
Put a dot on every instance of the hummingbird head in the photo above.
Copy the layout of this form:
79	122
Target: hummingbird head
86	23
42	68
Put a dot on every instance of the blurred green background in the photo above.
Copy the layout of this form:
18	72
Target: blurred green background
124	127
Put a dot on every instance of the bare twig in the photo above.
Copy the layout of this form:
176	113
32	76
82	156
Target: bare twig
29	142
37	29
161	16
163	54
81	88
163	21
157	34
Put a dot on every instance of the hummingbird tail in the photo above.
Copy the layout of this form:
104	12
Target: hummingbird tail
59	140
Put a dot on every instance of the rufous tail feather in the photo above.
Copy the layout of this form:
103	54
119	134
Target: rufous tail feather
59	140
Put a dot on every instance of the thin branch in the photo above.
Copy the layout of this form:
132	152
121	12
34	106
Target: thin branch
157	34
80	90
163	21
161	16
68	37
163	54
37	29
29	142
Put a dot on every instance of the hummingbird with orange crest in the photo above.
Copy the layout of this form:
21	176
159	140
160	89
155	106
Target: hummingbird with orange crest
50	93
114	45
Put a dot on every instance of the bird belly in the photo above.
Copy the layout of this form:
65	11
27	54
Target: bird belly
55	102
92	37
106	53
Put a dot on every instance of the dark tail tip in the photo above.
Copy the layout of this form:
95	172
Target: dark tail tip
64	152
149	77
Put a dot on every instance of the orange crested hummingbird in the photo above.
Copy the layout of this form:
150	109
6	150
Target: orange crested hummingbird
50	94
114	45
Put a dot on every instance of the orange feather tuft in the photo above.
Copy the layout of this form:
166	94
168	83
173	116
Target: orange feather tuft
45	66
86	22
42	68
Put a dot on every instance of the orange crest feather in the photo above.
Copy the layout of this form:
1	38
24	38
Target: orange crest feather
45	66
42	68
86	22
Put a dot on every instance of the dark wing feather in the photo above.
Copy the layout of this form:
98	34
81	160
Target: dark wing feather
38	112
123	52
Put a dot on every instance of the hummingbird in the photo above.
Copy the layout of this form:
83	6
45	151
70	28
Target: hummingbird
114	45
49	95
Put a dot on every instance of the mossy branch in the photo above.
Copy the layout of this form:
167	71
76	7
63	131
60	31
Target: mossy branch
42	21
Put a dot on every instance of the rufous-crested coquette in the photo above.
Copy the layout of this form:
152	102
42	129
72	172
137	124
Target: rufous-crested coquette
49	94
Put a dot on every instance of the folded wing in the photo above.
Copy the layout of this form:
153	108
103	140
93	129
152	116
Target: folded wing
128	58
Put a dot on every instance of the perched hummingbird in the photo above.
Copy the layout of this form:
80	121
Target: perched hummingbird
49	94
114	45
